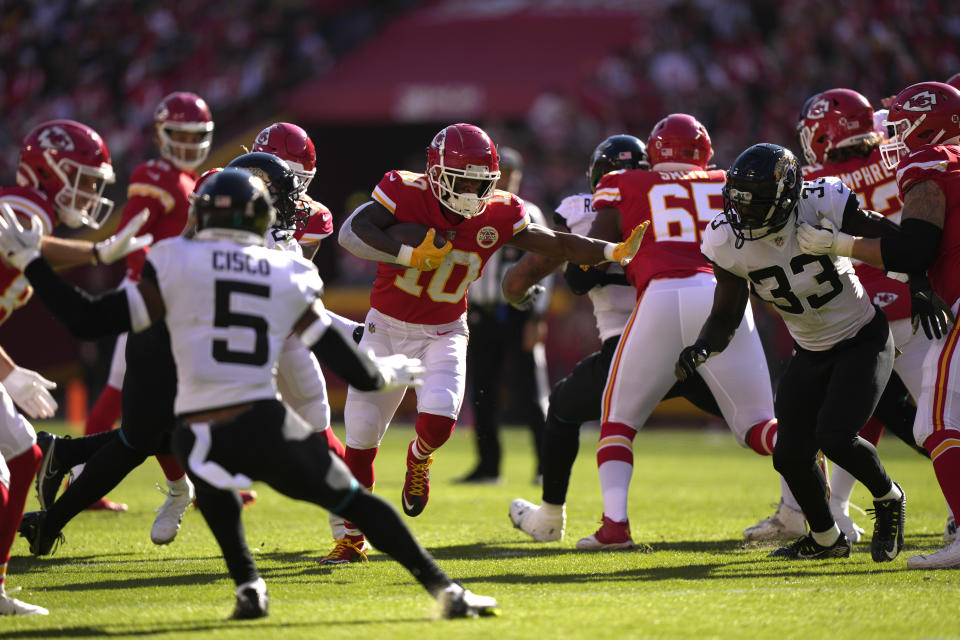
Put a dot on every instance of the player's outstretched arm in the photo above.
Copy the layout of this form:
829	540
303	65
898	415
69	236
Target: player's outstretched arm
64	252
576	248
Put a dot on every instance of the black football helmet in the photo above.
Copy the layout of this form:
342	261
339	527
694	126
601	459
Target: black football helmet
615	153
234	199
284	185
762	191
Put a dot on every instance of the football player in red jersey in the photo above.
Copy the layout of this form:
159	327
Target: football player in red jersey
183	130
64	168
925	152
839	138
674	282
418	302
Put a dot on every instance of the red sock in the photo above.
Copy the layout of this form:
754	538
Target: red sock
171	468
104	413
616	443
433	430
333	442
761	437
872	431
360	463
22	470
944	449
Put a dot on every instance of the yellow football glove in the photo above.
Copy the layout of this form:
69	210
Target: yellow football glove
624	251
427	256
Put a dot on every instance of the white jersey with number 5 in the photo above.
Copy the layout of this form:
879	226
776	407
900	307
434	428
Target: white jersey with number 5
230	306
820	298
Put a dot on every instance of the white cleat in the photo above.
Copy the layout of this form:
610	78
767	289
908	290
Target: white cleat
851	529
457	602
13	607
786	524
946	558
950	531
535	522
167	523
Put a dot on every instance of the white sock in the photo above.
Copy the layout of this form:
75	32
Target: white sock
551	509
841	485
615	485
893	494
828	537
787	496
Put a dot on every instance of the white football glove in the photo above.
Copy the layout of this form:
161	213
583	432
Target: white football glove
19	246
30	391
823	238
398	371
122	243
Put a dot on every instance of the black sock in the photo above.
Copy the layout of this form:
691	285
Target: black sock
221	510
382	526
561	441
70	452
104	470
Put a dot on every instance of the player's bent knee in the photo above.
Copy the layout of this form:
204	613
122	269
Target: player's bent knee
439	402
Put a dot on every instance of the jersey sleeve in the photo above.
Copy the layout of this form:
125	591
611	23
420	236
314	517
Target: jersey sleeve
162	259
716	243
30	203
319	224
148	190
608	193
935	163
307	280
834	199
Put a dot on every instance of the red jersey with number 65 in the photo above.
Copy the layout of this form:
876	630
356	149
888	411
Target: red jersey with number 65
941	164
679	206
26	203
876	189
439	296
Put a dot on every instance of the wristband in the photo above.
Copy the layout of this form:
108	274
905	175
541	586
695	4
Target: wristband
608	249
405	255
844	244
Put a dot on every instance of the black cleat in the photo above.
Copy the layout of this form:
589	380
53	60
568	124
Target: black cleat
50	475
251	604
888	517
42	543
806	548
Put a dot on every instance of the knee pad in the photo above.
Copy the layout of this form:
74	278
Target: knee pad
365	425
316	412
439	402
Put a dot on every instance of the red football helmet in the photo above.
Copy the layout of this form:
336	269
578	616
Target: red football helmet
679	138
70	163
922	114
461	156
836	118
291	143
954	81
183	113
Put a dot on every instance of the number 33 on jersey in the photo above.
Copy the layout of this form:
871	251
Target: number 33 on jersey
438	297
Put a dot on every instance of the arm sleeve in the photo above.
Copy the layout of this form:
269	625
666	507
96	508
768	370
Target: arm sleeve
581	281
865	223
85	316
350	241
342	357
913	249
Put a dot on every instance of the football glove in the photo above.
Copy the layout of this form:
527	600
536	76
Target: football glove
691	358
526	303
624	252
31	392
928	310
426	256
19	246
122	243
823	238
580	279
398	371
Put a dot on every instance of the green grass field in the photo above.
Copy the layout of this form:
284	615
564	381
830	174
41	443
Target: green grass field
693	492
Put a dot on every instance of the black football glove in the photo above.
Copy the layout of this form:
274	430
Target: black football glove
526	303
691	358
358	333
927	309
582	280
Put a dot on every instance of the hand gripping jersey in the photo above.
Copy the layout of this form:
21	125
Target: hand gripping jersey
876	190
229	309
613	303
678	204
164	190
941	164
439	296
319	224
26	202
819	297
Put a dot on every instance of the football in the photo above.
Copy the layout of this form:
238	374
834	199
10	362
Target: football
413	233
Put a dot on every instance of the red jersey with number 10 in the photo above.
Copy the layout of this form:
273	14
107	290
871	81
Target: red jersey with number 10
439	296
679	206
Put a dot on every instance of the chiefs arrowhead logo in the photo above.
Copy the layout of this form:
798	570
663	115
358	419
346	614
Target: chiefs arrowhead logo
56	137
818	109
923	101
262	138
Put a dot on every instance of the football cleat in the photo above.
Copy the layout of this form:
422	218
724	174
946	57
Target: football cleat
786	523
610	536
950	531
41	542
806	548
346	550
535	522
889	516
851	529
12	607
457	602
416	485
50	476
946	558
167	523
248	497
107	505
252	601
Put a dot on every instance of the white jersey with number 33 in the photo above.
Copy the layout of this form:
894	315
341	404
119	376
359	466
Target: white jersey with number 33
820	298
230	306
